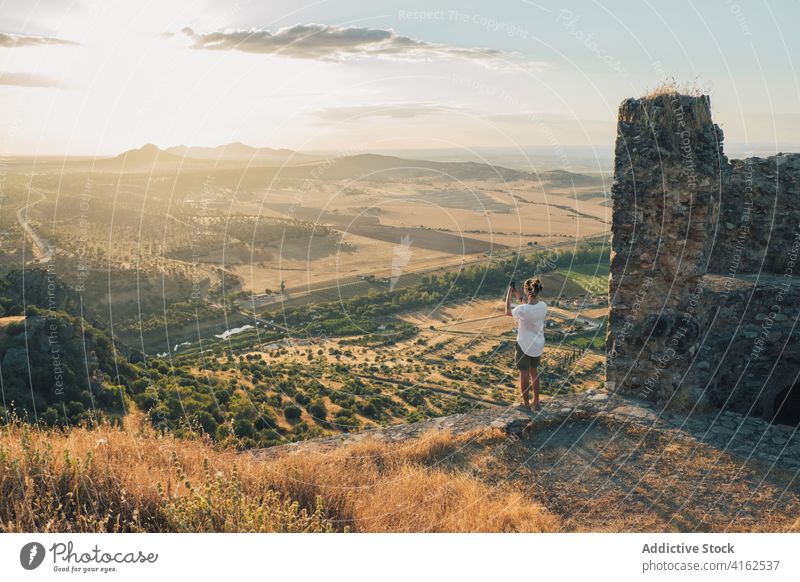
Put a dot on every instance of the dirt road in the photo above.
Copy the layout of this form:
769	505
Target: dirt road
42	250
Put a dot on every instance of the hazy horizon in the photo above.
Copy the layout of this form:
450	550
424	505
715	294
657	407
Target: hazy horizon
596	158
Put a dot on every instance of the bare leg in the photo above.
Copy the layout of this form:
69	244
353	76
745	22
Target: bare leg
525	386
534	375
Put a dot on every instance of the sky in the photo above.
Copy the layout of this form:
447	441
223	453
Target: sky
348	76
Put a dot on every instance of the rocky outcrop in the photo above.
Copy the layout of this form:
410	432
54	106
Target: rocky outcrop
703	293
729	432
665	195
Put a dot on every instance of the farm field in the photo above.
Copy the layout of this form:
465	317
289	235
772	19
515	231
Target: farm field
593	278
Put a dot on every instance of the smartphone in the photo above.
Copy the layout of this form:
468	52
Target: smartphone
513	285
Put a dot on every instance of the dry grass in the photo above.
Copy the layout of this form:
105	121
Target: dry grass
418	486
663	106
672	87
132	479
624	477
114	479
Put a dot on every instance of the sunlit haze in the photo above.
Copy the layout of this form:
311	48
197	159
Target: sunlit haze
98	78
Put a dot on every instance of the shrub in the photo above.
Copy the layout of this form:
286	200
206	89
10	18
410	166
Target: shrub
244	428
223	432
266	419
302	398
206	421
368	409
292	412
317	409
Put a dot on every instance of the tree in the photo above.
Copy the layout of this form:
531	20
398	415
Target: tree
206	421
292	412
244	428
368	409
317	409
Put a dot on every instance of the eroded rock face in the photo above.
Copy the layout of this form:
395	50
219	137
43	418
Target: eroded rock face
702	287
665	195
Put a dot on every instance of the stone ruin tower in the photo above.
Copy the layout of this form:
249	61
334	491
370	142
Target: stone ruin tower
704	289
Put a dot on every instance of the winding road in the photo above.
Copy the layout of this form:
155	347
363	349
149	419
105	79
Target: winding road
42	250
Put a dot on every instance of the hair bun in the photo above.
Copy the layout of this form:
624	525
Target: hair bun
533	286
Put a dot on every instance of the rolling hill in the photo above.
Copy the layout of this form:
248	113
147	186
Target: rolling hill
380	168
292	165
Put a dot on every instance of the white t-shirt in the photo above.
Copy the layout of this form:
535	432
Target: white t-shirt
530	332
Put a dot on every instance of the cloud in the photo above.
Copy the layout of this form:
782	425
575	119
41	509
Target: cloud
27	80
335	43
392	110
536	118
9	40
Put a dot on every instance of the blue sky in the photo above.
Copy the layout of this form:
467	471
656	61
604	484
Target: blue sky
100	77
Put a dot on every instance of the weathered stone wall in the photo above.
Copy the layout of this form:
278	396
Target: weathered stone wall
703	290
665	199
759	212
749	356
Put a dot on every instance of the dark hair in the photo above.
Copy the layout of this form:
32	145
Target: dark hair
533	287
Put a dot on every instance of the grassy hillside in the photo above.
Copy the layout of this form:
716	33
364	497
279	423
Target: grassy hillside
131	479
584	474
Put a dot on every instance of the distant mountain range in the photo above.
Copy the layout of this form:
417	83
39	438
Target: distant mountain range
292	165
150	158
241	152
145	158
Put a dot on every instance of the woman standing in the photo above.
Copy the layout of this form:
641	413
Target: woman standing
530	318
